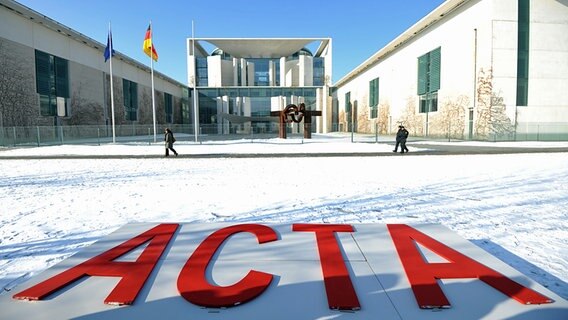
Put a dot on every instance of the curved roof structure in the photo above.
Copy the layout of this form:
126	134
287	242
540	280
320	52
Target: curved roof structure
263	48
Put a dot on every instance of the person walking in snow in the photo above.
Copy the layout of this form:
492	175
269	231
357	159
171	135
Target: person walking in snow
401	136
169	139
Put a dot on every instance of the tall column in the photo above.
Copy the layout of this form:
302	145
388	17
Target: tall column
283	72
271	73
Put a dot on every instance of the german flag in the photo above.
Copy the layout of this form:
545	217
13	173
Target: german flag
148	47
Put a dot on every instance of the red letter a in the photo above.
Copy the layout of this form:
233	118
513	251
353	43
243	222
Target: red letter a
422	275
133	274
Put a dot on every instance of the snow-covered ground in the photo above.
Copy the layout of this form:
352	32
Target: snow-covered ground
514	206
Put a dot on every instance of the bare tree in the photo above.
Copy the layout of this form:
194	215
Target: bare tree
119	110
84	112
492	120
18	101
145	108
410	119
363	122
160	108
383	118
450	119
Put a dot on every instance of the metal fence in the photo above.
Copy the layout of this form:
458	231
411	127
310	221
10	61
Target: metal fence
56	135
525	132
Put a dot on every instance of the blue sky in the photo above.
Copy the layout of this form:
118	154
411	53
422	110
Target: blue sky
359	28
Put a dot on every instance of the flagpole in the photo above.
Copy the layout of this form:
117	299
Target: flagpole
152	75
111	85
195	115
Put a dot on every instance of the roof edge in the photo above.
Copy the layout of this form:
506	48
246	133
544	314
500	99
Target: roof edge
415	30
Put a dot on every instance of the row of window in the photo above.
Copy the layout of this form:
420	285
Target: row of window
429	71
428	84
52	83
261	72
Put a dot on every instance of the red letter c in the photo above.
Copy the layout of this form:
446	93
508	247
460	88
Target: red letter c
193	285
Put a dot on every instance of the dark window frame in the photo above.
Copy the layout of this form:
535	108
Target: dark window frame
374	98
52	83
429	80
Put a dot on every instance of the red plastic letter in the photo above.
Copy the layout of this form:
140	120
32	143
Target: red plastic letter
192	282
133	274
422	275
338	286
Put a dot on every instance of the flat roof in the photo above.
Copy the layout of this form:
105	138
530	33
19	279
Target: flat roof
261	47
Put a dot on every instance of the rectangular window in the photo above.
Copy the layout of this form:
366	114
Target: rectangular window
185	106
428	102
429	66
52	84
319	71
523	27
130	96
201	70
423	74
168	104
348	102
374	98
428	83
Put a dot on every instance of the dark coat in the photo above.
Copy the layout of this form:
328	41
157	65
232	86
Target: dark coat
401	134
169	139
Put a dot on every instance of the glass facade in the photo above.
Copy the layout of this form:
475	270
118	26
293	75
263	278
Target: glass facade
249	101
201	70
319	71
262	71
246	90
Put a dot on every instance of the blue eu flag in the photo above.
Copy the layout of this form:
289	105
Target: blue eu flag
109	47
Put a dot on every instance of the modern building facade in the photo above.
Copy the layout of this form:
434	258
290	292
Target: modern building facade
55	76
240	81
471	69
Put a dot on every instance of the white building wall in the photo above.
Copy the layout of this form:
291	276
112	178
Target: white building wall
214	71
291	73
465	63
306	71
271	73
283	72
236	65
504	52
548	64
243	72
398	72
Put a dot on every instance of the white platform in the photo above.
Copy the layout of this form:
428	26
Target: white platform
297	290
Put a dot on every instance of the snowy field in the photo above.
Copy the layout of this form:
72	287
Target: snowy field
514	206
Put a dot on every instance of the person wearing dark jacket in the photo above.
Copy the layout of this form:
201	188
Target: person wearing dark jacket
169	139
401	136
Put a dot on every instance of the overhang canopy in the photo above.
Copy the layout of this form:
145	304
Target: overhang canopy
260	48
